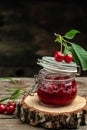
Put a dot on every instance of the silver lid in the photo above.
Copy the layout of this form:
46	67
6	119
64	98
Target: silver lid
50	64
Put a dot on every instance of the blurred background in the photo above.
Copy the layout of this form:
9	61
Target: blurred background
27	32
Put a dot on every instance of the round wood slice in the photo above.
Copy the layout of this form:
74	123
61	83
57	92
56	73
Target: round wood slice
32	111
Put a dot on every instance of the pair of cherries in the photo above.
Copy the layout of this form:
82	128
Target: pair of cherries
59	57
9	108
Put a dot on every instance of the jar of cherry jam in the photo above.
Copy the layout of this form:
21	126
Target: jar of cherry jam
55	83
57	89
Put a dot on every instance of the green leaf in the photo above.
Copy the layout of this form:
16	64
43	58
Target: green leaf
14	81
58	39
11	89
81	55
4	99
1	78
16	94
66	51
71	34
70	50
76	59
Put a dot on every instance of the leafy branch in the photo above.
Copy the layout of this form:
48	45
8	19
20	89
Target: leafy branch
15	92
79	53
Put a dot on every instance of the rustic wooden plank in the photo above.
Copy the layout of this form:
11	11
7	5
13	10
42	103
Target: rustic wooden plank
11	122
28	82
22	82
5	116
82	85
16	124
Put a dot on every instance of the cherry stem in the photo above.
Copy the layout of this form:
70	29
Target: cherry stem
63	42
61	47
66	41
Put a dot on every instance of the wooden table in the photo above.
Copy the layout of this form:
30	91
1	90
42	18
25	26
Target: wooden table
11	122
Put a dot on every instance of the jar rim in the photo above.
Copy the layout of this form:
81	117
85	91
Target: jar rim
45	75
57	80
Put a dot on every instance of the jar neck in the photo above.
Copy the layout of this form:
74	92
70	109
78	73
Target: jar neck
50	77
57	77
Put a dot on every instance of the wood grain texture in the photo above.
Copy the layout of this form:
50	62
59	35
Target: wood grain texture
12	122
33	112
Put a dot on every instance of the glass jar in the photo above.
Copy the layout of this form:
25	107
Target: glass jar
55	83
57	89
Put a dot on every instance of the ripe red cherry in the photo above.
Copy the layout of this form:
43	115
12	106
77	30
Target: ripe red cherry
59	56
68	58
2	108
11	103
10	110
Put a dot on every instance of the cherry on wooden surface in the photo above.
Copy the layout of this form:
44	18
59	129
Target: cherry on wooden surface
2	108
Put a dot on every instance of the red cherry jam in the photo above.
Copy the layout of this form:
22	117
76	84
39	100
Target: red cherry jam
56	89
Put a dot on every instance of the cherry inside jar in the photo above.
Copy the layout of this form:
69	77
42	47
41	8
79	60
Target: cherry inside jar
57	89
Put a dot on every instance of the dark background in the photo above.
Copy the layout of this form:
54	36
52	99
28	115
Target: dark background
27	32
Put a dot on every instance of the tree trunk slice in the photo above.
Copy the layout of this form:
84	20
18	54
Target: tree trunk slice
32	111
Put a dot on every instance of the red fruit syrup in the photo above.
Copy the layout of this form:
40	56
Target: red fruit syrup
58	90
